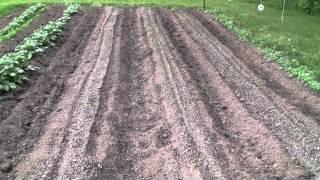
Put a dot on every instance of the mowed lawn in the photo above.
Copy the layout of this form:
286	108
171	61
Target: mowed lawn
297	38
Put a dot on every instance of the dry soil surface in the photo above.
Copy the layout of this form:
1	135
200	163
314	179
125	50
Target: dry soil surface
142	93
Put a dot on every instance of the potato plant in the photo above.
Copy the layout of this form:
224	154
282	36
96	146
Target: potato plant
20	21
13	65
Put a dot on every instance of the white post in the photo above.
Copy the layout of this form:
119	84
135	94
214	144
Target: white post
284	4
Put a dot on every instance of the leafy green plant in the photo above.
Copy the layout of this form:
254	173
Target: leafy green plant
13	65
17	24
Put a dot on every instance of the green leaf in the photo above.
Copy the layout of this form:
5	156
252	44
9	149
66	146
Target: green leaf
13	86
6	88
29	56
20	71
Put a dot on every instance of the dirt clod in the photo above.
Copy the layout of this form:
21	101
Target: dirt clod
6	167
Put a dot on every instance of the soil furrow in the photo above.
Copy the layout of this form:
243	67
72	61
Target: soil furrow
101	139
253	159
148	93
117	159
278	102
84	110
204	97
287	118
270	75
180	156
188	116
48	150
129	112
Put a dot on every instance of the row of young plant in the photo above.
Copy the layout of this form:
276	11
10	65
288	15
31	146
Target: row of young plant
13	65
19	22
293	67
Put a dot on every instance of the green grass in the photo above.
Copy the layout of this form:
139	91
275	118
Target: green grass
294	44
6	9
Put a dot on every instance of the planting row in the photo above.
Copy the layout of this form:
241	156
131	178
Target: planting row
18	23
13	65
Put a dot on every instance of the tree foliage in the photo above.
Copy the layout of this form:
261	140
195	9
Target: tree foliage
311	6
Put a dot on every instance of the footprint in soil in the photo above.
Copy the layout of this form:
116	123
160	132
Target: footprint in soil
163	137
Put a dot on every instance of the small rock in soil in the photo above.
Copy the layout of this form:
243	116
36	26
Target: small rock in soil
6	167
165	135
242	100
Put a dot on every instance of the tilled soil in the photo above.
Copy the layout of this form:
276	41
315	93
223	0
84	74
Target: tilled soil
23	121
156	94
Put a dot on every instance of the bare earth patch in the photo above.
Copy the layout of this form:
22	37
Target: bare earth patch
143	93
